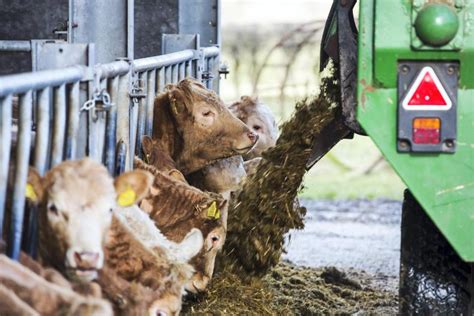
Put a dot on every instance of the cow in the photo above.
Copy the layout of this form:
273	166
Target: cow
176	208
260	119
194	127
76	200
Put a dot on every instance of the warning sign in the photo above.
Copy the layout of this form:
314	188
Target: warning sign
427	93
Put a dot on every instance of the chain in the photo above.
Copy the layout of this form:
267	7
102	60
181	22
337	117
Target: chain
102	98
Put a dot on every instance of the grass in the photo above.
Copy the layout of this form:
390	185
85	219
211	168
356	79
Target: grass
341	174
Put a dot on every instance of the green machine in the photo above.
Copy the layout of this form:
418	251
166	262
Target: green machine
406	80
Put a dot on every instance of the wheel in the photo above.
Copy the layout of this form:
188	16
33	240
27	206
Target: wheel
434	280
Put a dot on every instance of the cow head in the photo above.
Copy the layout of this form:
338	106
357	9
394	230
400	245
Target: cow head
260	119
205	128
76	200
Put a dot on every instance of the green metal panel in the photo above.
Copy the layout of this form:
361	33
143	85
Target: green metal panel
393	31
442	183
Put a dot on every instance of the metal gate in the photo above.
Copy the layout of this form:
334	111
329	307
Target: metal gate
99	111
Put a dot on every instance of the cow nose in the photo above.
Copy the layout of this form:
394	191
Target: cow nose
252	136
86	260
161	313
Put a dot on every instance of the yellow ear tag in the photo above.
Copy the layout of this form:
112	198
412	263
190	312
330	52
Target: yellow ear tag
127	197
30	192
213	212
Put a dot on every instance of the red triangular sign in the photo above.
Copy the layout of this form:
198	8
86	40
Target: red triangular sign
427	93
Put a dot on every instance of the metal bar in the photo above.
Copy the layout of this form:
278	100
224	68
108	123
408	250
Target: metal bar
133	133
123	115
30	241
130	28
189	69
59	125
73	121
21	174
121	158
174	73
168	76
150	99
181	71
148	63
15	46
142	113
42	130
21	83
211	51
5	144
111	126
113	69
161	82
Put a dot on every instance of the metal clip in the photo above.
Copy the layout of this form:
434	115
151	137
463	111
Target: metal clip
137	91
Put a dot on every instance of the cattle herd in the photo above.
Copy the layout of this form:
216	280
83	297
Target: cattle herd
136	244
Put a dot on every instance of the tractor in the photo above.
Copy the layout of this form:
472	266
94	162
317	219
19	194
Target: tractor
405	74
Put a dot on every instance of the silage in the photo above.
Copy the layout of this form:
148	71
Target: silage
265	209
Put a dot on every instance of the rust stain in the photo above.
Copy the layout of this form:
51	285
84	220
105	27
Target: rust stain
366	89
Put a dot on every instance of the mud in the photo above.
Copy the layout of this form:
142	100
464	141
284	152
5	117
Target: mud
360	235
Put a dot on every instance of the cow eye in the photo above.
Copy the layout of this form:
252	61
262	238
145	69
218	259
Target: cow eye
207	113
53	209
257	127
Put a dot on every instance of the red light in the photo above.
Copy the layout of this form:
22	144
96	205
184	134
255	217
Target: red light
426	130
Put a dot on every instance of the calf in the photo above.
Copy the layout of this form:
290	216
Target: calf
176	208
195	128
260	119
76	200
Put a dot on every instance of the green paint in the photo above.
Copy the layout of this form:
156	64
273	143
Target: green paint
395	38
436	24
442	183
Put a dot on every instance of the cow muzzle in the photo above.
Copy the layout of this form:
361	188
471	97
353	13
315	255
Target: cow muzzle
83	265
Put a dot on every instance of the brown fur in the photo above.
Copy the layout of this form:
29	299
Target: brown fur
182	133
44	297
176	207
130	259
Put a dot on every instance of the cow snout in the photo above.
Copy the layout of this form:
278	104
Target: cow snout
253	137
86	260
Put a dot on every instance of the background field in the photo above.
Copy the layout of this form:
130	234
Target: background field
272	50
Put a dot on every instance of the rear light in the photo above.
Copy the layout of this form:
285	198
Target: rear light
426	130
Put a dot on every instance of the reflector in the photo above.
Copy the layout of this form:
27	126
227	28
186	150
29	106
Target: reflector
427	93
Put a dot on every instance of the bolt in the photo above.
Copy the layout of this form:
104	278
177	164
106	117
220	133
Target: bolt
403	144
405	69
451	70
449	143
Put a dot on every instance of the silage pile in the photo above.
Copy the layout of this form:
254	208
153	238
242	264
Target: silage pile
292	290
265	210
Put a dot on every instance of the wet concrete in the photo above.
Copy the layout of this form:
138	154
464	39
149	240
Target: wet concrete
352	235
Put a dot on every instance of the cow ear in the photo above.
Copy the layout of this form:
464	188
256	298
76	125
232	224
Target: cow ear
177	101
147	145
131	187
34	189
189	246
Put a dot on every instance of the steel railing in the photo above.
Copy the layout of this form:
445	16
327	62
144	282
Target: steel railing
101	112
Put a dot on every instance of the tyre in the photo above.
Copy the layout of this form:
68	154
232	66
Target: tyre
433	278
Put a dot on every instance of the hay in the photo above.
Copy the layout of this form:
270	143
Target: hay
292	290
265	210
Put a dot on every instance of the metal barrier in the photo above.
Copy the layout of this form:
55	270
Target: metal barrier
101	112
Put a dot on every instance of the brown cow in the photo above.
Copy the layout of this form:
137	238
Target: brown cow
260	119
195	128
138	252
76	200
177	207
23	292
